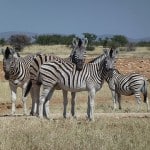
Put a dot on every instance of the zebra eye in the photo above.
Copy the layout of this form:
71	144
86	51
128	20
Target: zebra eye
11	63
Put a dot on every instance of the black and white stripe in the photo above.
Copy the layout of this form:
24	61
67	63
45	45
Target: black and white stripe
131	84
77	56
16	70
64	75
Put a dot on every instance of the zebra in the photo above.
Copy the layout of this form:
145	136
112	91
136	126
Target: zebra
16	71
64	75
77	56
131	84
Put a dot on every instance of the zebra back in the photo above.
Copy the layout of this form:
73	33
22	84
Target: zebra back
68	78
77	56
125	84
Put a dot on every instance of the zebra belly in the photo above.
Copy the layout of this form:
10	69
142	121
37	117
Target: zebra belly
126	92
73	86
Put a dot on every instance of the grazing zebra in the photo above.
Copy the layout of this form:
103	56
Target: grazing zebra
132	84
77	56
16	70
64	75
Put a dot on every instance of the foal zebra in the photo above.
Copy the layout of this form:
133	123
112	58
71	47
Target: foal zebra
132	84
64	75
77	56
16	70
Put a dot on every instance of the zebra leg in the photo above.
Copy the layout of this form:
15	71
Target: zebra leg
32	97
13	100
138	99
42	100
118	95
90	109
65	102
24	99
73	103
35	94
46	104
144	92
13	89
147	103
114	99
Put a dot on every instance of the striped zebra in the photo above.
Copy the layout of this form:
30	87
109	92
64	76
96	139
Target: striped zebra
64	75
131	84
16	71
77	56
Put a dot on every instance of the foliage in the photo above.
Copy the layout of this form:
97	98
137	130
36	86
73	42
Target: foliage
19	41
91	40
2	41
54	39
143	43
120	40
115	41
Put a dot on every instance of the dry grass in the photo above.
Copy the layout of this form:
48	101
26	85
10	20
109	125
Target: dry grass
106	133
64	51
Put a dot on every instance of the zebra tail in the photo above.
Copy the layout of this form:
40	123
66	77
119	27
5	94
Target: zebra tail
145	91
28	88
38	79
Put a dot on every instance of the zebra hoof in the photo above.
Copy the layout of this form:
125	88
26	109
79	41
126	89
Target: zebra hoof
33	114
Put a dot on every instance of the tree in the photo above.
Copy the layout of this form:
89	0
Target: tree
119	40
2	41
91	40
19	41
55	39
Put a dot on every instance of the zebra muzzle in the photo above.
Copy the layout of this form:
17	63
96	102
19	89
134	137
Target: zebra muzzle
79	64
6	76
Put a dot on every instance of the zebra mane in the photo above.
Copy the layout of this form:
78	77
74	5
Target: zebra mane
116	70
96	59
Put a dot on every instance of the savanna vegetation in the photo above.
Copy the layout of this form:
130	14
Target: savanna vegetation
19	41
106	133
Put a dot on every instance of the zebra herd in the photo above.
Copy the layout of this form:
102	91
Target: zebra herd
68	74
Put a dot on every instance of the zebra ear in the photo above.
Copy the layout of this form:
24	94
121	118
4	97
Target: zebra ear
74	42
85	42
106	52
7	52
113	53
16	55
79	42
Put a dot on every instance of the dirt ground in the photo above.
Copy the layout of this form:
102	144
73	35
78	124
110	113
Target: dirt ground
124	65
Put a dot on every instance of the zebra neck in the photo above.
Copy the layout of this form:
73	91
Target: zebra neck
16	70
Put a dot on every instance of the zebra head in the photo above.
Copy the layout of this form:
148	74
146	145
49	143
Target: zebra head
78	53
9	56
110	58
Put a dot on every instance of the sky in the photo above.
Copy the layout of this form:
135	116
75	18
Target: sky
130	18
